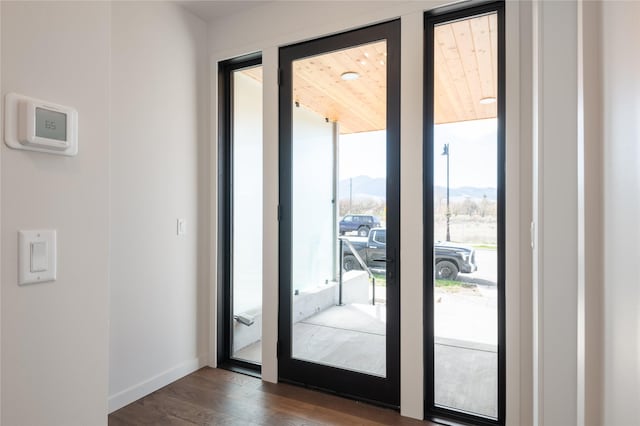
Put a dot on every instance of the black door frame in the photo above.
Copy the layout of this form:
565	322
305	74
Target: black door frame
225	213
385	391
432	18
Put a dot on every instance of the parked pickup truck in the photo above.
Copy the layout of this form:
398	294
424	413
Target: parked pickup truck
451	258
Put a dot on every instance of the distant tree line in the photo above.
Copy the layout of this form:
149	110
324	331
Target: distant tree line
368	205
468	207
484	208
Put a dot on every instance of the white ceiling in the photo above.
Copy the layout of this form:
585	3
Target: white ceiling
215	9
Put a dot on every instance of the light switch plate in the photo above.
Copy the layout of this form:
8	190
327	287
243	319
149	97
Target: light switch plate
37	253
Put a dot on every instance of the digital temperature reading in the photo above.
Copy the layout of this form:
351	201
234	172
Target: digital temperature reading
51	124
36	125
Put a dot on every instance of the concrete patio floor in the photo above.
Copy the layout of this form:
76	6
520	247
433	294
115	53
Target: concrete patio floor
350	337
353	337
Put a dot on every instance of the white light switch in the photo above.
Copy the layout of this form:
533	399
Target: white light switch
39	259
182	227
37	256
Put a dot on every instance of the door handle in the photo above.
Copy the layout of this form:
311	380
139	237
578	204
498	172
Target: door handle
391	268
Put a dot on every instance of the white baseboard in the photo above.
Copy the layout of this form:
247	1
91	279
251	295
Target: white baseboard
142	389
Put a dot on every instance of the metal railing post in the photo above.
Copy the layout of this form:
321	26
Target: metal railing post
373	298
341	250
364	266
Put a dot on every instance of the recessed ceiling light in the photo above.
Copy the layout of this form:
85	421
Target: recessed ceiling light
366	54
381	62
350	75
488	100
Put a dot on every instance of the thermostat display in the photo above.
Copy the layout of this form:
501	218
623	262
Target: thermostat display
36	125
51	124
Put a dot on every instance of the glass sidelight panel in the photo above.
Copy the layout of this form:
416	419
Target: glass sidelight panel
338	238
465	128
246	211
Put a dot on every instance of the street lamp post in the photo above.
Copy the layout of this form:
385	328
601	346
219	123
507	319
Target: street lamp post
445	151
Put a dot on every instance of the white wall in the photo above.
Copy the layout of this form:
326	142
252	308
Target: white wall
519	213
269	213
556	213
1	121
621	148
290	22
159	163
587	365
411	255
150	104
590	224
55	335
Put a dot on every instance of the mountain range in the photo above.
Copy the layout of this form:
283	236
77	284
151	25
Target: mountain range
368	187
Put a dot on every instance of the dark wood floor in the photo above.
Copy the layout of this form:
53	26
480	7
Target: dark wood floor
219	397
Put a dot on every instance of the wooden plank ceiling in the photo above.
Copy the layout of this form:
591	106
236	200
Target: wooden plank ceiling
466	53
465	72
358	105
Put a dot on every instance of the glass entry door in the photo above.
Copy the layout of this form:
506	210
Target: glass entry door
339	213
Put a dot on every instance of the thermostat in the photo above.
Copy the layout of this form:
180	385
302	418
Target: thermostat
36	125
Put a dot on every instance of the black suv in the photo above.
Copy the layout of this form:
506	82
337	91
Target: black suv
450	258
359	222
